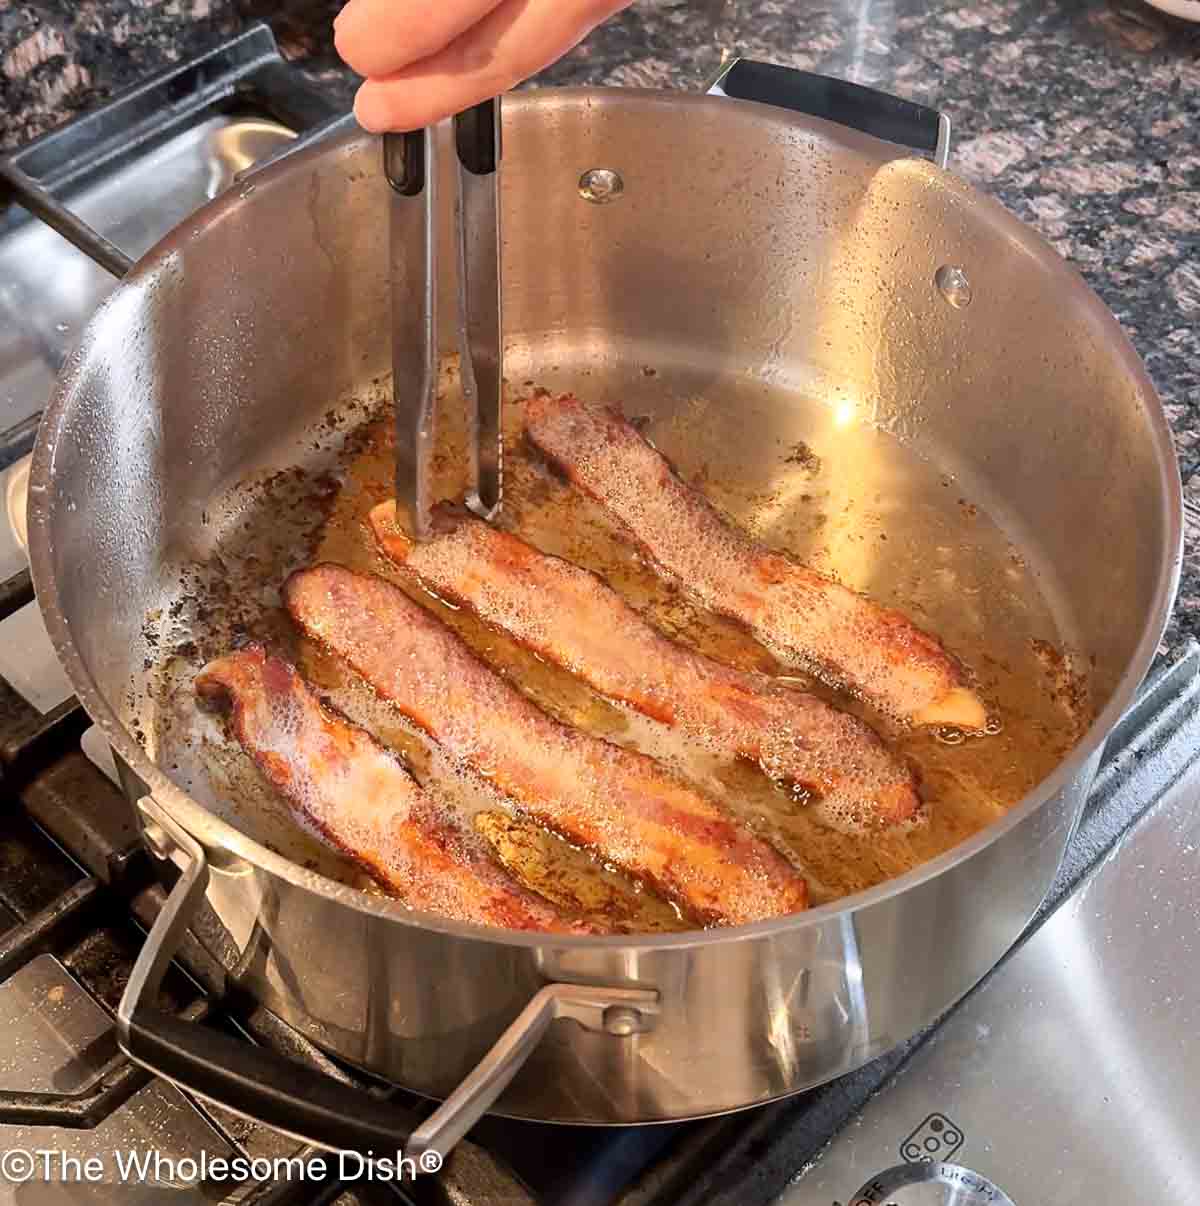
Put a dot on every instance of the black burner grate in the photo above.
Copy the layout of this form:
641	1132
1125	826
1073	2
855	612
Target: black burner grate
75	883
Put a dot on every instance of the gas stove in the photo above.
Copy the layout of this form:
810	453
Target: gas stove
1065	1077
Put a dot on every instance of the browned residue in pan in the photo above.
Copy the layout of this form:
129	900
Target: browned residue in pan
947	571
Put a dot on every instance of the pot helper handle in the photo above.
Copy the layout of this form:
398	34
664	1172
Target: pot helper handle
890	118
306	1103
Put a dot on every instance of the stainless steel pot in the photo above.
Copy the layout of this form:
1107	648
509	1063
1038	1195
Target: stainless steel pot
235	334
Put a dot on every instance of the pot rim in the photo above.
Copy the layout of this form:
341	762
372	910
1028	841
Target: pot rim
214	833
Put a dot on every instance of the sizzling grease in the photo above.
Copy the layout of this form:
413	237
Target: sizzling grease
849	500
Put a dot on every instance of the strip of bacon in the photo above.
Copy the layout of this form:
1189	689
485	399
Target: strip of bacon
621	805
575	620
873	650
338	780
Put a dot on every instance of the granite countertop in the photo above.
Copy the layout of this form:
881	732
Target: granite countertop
1081	116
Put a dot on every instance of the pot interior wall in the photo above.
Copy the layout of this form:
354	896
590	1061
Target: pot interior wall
782	269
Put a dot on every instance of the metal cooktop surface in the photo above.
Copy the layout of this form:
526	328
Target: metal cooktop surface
1072	1076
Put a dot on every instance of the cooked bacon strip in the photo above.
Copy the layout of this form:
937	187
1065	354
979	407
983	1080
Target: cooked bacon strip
619	804
873	650
338	780
575	620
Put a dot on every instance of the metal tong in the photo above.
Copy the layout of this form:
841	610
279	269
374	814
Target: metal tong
410	164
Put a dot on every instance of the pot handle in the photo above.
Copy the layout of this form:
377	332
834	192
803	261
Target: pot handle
301	1101
33	196
880	114
248	69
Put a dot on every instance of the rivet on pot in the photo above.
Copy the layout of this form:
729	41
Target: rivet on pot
622	1021
953	285
601	185
156	838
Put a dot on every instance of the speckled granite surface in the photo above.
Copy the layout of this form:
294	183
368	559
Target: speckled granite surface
1082	116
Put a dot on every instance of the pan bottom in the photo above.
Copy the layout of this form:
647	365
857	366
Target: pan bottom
805	471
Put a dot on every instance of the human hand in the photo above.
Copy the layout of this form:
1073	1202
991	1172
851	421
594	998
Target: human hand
427	59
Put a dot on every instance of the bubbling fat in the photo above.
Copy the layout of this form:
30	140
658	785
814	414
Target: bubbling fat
859	506
339	781
574	620
853	641
598	794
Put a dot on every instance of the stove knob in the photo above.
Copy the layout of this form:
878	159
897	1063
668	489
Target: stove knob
930	1184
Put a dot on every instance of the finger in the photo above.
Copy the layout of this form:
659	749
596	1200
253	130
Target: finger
514	40
378	37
